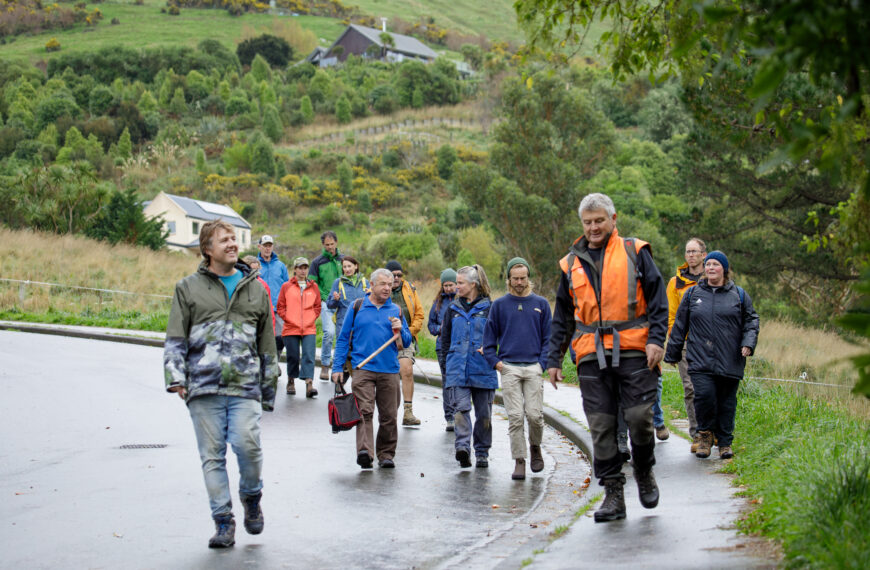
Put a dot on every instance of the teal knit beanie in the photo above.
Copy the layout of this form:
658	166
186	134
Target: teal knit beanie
518	261
448	274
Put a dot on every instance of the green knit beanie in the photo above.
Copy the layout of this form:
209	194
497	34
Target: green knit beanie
448	274
518	261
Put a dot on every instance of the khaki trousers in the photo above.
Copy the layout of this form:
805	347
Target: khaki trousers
523	392
381	389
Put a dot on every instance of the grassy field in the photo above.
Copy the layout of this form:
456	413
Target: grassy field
496	18
145	27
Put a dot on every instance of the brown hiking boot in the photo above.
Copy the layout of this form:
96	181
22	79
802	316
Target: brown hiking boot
409	419
310	390
613	507
519	470
696	439
662	432
324	373
705	444
291	386
537	462
725	452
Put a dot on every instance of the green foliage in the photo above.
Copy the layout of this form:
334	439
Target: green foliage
272	125
343	110
262	155
662	114
147	102
260	68
123	221
345	178
50	109
125	145
364	202
401	246
417	98
307	110
473	55
100	100
237	157
276	51
549	141
177	106
201	166
445	158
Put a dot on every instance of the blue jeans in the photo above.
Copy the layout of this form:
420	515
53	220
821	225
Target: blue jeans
658	414
461	401
307	343
328	335
716	405
216	421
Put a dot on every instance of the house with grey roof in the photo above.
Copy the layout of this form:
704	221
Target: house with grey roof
367	42
183	217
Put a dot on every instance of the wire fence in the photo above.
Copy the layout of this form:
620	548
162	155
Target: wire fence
783	380
38	296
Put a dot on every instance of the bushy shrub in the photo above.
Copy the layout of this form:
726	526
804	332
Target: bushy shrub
52	45
274	49
101	98
445	158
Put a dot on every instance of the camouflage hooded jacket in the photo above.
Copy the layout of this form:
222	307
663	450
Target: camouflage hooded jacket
221	346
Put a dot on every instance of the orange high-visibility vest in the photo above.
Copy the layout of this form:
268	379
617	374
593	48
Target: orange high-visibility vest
613	318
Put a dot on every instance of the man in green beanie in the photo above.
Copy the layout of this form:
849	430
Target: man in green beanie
515	343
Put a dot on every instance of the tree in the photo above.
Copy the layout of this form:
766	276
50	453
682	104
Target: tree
550	140
274	50
260	68
125	144
307	110
262	155
473	55
100	100
445	158
342	110
345	178
123	221
272	125
177	106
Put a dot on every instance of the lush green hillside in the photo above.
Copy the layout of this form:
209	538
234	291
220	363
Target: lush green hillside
145	26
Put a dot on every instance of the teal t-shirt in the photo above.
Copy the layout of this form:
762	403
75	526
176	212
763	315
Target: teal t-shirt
231	281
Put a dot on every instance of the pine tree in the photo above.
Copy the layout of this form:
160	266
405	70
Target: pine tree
178	106
307	110
342	110
345	178
272	125
125	146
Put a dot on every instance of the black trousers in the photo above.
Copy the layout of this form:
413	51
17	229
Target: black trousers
632	385
716	405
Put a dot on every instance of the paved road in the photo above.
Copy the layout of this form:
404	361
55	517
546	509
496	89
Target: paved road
71	497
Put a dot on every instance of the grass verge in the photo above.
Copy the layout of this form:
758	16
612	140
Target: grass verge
805	466
109	318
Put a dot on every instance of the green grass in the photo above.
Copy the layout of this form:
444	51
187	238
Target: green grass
109	318
145	27
496	18
806	468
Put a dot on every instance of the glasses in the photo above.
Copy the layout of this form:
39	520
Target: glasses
397	274
694	251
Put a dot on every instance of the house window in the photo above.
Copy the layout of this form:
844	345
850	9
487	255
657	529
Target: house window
195	227
171	227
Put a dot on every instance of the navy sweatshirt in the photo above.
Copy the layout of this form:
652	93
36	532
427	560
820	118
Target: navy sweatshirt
518	330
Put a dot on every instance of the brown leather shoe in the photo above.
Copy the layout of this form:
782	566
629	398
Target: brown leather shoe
291	386
519	470
695	441
725	452
537	460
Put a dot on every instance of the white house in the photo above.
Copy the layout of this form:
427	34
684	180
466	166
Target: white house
183	217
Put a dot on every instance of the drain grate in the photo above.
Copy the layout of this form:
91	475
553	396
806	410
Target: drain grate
144	446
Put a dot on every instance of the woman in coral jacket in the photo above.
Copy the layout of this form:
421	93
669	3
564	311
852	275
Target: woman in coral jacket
299	307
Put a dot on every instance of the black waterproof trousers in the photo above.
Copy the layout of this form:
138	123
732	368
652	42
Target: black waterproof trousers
632	384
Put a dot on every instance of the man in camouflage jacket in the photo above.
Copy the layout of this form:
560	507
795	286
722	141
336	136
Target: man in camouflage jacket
220	358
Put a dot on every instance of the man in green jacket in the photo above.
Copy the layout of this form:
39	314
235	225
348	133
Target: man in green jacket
324	270
220	358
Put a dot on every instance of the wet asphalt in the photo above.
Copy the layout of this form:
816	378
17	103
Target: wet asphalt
73	497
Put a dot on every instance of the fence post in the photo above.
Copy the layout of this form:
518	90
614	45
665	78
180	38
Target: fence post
22	291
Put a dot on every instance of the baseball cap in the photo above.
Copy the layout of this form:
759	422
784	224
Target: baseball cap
300	261
266	239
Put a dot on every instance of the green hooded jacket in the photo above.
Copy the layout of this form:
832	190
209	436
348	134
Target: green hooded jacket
220	346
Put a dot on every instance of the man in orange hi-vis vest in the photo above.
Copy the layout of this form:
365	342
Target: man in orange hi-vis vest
612	310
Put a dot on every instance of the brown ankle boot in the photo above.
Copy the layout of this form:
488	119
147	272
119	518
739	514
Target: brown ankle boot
705	444
310	391
537	460
519	470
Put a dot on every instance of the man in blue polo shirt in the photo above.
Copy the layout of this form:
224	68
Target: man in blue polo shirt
364	331
515	343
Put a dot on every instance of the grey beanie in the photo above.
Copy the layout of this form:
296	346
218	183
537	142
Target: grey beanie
448	274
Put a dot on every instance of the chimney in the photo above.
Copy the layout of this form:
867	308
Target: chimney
383	24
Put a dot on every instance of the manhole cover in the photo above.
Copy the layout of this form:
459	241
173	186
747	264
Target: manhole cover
144	446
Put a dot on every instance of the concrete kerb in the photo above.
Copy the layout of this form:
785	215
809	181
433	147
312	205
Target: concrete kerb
575	433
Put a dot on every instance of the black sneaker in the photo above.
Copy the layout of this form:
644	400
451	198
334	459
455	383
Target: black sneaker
463	457
253	513
481	463
647	488
386	464
364	460
225	532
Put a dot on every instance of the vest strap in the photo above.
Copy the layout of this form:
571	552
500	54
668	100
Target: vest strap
612	330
